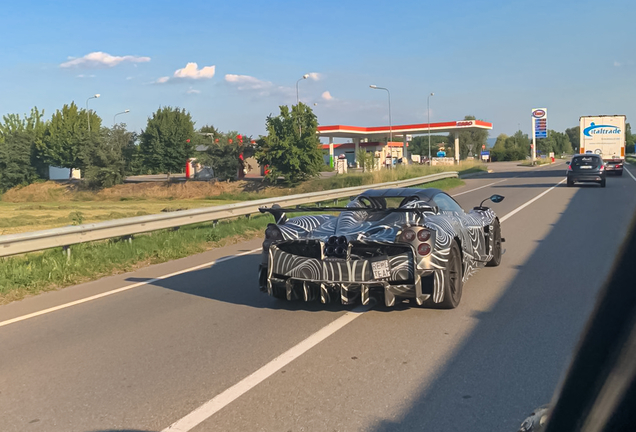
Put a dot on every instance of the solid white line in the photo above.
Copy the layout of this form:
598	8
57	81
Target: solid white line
632	175
217	403
118	290
521	207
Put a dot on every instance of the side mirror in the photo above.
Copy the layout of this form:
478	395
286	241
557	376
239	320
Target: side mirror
494	198
568	162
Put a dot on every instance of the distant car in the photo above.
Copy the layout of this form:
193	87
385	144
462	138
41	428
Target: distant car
392	244
586	168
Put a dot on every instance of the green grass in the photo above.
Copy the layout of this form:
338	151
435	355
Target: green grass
30	274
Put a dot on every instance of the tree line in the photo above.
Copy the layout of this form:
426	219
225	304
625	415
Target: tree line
76	139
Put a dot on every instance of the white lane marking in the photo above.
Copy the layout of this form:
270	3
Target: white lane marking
632	175
211	407
490	184
480	187
521	207
118	290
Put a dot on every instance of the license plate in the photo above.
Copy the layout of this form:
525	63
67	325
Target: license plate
380	269
586	167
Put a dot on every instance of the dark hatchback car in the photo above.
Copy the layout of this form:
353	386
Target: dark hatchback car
586	168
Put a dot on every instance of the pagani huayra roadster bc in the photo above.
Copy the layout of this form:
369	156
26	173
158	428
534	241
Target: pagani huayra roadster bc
387	244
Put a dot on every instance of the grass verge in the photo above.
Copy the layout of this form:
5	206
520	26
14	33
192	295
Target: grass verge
33	273
50	205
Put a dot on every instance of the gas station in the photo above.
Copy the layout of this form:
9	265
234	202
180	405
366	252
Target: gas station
376	139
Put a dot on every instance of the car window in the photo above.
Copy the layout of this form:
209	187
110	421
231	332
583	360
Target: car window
586	161
446	203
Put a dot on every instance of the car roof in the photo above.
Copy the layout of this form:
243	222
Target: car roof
586	155
425	194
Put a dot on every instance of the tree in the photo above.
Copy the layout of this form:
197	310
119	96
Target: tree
168	141
15	159
366	159
630	139
33	125
470	142
291	148
224	153
419	144
67	134
574	136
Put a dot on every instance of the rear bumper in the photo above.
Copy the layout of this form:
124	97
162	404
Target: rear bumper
596	177
346	281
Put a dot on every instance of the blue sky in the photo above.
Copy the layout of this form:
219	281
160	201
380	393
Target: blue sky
492	59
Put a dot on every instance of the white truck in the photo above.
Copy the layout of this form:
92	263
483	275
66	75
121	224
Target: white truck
605	136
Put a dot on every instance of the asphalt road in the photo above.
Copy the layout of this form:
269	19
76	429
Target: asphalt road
146	357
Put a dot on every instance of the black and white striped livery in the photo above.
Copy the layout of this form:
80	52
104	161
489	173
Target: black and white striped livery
394	244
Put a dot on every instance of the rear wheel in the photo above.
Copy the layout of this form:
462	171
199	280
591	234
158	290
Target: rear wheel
603	183
570	183
453	284
619	173
496	245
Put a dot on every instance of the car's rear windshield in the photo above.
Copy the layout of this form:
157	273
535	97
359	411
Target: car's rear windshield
586	161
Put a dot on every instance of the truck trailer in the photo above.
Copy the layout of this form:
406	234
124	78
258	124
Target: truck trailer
604	135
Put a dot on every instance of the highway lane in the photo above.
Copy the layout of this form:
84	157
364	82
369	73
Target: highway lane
146	357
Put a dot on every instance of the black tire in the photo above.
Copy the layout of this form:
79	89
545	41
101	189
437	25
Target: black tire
619	173
453	284
603	183
496	245
277	291
570	183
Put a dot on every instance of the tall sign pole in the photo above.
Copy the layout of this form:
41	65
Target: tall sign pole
539	128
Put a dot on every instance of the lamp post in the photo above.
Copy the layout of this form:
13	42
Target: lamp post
428	116
88	113
375	87
300	127
123	112
299	80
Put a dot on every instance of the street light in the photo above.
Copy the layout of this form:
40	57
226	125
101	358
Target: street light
300	128
375	87
88	113
428	114
123	112
300	79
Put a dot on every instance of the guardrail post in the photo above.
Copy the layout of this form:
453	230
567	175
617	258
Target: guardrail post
215	223
67	252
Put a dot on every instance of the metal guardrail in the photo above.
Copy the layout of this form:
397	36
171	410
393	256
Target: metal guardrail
13	244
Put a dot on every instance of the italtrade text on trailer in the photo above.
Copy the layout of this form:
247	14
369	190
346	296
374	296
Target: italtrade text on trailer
605	135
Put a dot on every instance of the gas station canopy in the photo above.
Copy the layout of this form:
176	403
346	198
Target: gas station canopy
341	131
365	134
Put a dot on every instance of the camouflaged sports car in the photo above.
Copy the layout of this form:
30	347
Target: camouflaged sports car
390	244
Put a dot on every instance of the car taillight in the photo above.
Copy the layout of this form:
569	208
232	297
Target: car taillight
408	235
569	167
423	235
602	168
424	249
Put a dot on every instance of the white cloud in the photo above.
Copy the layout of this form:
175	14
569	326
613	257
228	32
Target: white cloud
193	91
192	71
100	59
617	64
85	76
327	96
314	76
246	82
129	78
